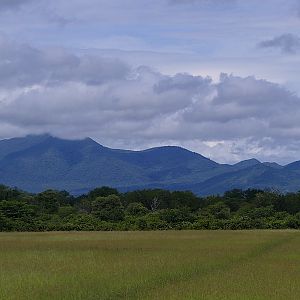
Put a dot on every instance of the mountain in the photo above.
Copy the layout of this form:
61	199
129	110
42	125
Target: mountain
39	162
295	166
273	165
258	176
36	163
246	163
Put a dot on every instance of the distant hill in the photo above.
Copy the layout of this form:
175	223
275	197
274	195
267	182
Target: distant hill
36	163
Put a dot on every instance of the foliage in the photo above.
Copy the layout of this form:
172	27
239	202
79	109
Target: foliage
108	208
105	208
136	209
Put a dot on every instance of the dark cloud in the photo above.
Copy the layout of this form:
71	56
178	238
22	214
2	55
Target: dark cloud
287	43
182	82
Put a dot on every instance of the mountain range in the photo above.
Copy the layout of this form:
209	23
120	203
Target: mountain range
36	163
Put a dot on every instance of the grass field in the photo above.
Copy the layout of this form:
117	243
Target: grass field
150	265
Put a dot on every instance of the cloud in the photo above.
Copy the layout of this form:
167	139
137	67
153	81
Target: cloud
188	2
12	4
287	43
185	82
73	96
298	7
22	65
175	2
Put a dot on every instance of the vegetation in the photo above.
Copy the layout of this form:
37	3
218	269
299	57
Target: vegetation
151	265
106	209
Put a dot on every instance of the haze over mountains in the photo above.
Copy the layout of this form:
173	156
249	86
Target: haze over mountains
36	163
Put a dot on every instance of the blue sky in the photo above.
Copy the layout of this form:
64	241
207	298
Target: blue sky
217	77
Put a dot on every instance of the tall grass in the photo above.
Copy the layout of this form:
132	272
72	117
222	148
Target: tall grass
150	265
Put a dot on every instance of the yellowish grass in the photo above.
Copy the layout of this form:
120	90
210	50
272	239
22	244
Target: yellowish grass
150	265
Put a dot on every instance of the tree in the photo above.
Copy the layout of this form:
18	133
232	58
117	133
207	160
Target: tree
108	208
7	193
103	191
17	210
234	199
48	201
291	203
266	199
152	198
218	211
181	199
176	215
262	212
5	223
66	211
136	209
154	203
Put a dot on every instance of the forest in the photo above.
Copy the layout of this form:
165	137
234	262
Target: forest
106	209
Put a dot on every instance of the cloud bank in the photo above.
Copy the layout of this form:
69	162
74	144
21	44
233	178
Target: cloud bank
73	96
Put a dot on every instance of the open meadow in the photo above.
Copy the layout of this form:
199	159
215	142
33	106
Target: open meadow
231	265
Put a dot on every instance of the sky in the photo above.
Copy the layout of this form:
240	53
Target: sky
218	77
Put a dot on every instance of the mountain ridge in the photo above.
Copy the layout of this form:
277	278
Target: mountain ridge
35	163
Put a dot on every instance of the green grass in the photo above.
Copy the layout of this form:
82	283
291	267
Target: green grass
150	265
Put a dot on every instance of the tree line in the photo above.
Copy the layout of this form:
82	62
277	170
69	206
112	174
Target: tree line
106	208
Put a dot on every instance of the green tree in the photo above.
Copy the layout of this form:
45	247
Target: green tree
180	199
262	212
103	191
136	209
48	201
108	208
176	215
7	193
5	223
17	210
266	199
219	211
66	211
